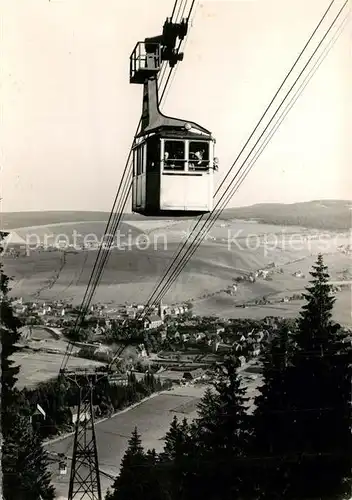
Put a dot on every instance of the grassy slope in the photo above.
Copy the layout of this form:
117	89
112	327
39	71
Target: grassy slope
321	214
131	274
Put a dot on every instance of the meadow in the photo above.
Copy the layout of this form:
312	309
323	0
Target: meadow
136	265
38	366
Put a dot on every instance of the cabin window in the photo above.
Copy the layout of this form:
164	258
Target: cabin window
153	155
174	155
198	155
140	159
134	163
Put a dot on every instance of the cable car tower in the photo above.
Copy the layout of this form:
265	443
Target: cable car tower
173	162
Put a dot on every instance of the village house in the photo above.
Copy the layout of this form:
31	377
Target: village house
262	273
118	379
131	313
142	352
153	322
193	375
237	347
20	309
199	336
221	348
259	336
242	360
298	274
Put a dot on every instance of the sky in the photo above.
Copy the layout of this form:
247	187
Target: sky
69	112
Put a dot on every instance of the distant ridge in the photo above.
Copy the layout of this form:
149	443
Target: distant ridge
319	214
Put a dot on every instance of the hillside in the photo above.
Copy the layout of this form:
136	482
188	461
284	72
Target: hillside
131	274
320	214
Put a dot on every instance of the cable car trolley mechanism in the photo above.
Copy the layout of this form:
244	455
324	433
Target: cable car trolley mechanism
173	159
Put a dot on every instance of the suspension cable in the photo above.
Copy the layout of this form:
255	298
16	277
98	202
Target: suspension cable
191	251
123	191
182	245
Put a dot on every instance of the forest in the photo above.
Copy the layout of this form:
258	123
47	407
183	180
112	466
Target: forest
294	444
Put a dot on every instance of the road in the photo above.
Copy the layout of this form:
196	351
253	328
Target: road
152	418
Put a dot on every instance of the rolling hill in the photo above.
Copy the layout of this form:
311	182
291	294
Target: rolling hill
148	245
320	214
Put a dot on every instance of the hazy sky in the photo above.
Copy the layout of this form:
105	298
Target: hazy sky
69	112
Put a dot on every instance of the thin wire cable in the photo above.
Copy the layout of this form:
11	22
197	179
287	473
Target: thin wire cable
290	105
173	10
130	183
125	186
178	251
248	169
164	68
151	300
279	89
192	13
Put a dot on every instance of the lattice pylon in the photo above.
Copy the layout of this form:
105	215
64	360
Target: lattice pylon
84	478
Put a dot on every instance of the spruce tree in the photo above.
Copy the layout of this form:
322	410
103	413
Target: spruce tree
137	478
317	333
222	433
176	459
320	394
269	419
25	464
9	325
23	459
303	416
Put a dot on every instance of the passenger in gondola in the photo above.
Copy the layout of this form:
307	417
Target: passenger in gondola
176	162
196	159
167	163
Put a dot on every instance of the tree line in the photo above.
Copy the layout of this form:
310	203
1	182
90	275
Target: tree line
295	445
23	459
59	399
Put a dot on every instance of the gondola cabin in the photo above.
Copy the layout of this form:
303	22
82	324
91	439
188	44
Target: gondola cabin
173	173
173	159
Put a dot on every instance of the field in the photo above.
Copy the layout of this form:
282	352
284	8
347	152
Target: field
145	250
40	366
152	418
281	285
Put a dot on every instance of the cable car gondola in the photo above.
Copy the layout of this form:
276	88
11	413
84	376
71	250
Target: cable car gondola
173	159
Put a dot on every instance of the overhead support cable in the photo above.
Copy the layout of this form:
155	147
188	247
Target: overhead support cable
161	288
